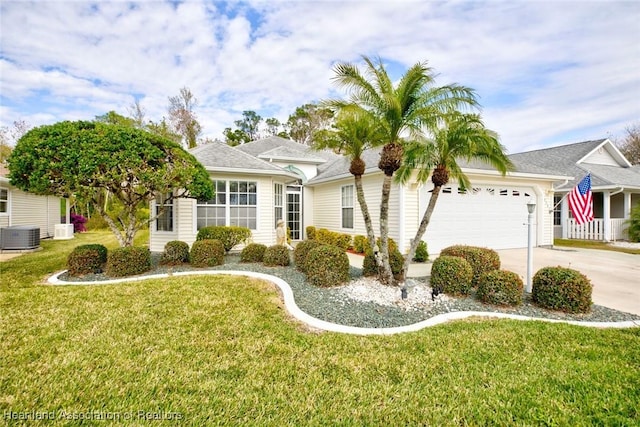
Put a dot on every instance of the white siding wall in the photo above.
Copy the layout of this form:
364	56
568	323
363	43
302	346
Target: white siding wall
30	209
327	211
601	157
185	216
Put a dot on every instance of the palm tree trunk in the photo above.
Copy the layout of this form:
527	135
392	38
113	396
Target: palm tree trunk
426	218
365	211
385	274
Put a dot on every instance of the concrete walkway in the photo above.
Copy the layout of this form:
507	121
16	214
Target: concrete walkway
615	275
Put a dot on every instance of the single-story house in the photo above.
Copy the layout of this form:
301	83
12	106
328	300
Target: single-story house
615	186
19	208
275	178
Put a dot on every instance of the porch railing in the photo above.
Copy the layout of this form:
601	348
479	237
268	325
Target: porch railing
594	230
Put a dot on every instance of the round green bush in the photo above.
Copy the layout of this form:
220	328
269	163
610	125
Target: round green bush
633	224
86	259
276	256
128	261
359	244
301	253
500	287
370	268
451	275
422	254
230	236
207	253
327	266
561	288
482	260
253	252
175	252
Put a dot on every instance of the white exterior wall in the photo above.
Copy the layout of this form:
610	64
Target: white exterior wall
30	209
185	215
328	209
408	203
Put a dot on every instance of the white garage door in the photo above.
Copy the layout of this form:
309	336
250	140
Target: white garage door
485	215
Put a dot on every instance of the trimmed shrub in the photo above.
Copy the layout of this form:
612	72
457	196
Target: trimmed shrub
86	259
326	236
422	254
327	266
311	232
301	253
560	288
253	252
482	260
500	287
276	256
229	236
207	253
369	267
175	252
633	224
359	244
343	241
128	261
451	275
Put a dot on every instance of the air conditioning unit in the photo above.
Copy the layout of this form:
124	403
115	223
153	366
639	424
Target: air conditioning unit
63	231
20	237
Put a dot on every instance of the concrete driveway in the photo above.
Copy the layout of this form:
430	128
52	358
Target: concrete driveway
615	275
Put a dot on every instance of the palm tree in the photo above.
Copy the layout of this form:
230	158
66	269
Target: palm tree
457	137
354	132
402	111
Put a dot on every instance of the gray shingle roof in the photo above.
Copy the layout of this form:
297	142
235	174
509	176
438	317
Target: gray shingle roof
218	156
286	148
563	160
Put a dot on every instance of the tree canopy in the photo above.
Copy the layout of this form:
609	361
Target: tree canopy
93	160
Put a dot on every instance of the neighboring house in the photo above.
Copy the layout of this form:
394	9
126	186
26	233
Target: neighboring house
20	208
273	178
614	181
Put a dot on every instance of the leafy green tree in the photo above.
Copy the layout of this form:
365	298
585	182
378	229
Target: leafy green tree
456	137
114	118
163	130
93	160
354	132
274	128
182	117
235	137
402	110
307	120
250	124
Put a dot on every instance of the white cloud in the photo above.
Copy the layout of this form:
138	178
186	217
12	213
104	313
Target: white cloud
545	71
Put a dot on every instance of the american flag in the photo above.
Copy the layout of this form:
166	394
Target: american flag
581	201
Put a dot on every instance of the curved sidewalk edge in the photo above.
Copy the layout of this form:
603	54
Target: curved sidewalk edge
295	311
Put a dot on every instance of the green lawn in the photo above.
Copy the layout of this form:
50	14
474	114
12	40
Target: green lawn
593	244
222	351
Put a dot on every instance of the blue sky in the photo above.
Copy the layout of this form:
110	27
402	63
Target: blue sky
547	73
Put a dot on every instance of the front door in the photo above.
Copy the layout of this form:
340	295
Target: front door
294	211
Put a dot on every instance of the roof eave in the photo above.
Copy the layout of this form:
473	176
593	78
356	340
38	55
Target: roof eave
251	171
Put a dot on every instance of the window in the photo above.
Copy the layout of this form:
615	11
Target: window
277	203
164	221
4	201
557	209
235	203
213	212
347	206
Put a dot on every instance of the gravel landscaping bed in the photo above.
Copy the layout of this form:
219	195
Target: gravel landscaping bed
364	303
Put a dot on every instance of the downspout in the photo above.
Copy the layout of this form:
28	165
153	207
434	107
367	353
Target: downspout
401	227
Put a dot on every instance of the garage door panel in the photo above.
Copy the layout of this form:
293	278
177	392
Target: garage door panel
490	216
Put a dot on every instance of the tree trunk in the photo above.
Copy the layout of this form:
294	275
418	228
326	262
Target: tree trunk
112	226
365	212
426	218
385	275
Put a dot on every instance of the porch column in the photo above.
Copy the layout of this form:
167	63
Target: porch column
564	217
606	212
626	205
